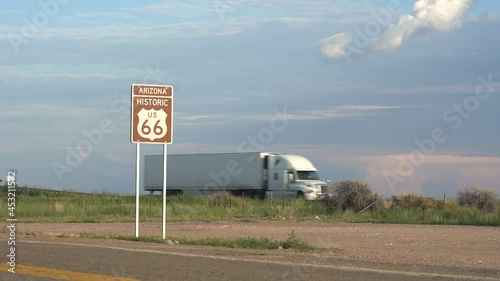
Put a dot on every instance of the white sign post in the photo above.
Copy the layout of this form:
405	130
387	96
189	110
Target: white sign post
164	216
151	122
137	185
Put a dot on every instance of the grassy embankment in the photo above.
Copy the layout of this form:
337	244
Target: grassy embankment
37	205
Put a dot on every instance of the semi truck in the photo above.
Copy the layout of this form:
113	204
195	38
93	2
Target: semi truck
255	174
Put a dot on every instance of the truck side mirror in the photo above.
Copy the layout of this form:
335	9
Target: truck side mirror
291	177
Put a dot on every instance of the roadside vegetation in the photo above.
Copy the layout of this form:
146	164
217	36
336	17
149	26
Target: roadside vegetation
349	201
291	243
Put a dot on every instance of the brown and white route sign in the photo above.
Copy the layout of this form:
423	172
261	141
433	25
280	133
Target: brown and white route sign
151	117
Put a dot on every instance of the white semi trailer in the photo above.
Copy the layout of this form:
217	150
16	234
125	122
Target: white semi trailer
255	174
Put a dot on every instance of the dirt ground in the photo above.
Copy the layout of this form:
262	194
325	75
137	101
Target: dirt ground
456	246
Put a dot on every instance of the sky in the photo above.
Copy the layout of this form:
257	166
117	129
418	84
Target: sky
404	95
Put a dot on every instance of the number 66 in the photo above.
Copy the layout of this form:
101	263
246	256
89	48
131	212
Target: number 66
145	129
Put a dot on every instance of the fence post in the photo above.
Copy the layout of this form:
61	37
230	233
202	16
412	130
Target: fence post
150	212
243	203
283	203
270	202
444	200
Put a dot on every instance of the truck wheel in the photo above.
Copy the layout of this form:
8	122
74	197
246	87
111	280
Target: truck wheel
174	192
300	195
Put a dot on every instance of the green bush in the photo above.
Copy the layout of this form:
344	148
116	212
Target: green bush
349	195
478	197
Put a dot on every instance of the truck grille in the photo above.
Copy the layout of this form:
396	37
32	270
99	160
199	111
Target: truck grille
324	189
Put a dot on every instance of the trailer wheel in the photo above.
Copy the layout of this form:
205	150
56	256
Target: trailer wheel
174	192
300	195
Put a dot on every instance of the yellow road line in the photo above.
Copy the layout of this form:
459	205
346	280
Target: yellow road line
62	274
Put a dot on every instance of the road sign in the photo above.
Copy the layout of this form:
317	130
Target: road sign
151	122
151	117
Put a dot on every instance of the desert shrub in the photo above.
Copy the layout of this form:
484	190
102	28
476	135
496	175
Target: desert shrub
225	199
478	197
218	198
349	195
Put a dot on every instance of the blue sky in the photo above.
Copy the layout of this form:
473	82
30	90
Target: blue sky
234	64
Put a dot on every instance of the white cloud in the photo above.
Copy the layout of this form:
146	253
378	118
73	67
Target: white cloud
440	15
335	47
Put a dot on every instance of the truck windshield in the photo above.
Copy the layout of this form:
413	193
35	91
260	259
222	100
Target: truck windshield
308	175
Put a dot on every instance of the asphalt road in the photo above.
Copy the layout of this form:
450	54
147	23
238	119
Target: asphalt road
73	259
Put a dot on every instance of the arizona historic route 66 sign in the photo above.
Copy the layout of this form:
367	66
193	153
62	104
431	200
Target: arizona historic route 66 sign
151	117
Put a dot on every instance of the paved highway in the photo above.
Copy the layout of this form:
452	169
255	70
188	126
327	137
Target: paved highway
106	260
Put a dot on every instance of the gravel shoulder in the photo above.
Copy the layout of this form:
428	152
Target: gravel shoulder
462	247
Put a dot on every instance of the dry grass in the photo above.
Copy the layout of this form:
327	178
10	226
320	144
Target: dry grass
418	201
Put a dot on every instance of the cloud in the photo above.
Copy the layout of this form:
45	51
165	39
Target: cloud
108	15
49	110
12	12
119	159
183	119
344	111
438	15
335	47
193	117
127	33
54	72
176	9
296	22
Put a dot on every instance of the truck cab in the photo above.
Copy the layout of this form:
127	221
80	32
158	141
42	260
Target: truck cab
294	176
